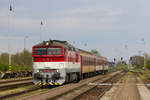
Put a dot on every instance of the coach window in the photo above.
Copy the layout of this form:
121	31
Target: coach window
69	48
85	61
74	49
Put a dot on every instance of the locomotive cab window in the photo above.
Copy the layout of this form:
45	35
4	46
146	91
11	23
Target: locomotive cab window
39	51
54	51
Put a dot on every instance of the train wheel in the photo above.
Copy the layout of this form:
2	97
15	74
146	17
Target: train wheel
67	78
77	79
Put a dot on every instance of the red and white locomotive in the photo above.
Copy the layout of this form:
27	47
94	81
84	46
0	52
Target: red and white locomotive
56	62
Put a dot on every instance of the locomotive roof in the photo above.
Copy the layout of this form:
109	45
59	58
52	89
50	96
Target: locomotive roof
54	43
91	54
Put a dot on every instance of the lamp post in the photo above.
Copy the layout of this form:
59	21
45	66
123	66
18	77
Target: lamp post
9	36
85	45
143	40
41	26
25	38
139	52
126	48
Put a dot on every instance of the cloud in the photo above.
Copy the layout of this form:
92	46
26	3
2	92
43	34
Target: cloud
107	12
92	18
83	18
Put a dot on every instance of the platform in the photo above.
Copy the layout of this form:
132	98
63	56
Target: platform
131	88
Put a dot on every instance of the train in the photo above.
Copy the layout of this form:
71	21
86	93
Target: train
57	62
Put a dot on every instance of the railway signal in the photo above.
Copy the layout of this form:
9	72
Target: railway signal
114	59
121	58
144	43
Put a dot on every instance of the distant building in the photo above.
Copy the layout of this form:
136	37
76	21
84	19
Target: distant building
136	61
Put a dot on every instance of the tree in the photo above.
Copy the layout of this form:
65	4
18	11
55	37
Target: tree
146	55
4	62
95	52
4	57
148	63
27	58
19	60
23	58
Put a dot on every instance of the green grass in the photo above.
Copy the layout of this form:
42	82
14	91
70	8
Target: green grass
5	68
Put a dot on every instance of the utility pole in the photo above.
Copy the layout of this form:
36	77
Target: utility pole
85	45
41	26
139	52
126	52
143	40
9	36
26	37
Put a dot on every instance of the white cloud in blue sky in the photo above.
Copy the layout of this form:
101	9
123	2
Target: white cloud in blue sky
105	25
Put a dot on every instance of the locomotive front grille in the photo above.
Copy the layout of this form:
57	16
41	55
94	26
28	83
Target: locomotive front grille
47	76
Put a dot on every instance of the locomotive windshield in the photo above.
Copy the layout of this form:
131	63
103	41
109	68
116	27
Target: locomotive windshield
54	51
51	51
39	51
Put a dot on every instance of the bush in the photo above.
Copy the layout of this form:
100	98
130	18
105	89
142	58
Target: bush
21	61
148	63
3	67
19	68
120	67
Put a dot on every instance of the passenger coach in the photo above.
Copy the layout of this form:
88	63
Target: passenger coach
56	62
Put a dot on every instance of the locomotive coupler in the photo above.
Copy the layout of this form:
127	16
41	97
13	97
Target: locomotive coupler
46	78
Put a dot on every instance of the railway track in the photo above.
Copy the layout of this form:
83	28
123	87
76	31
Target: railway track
19	93
15	85
15	80
59	92
97	91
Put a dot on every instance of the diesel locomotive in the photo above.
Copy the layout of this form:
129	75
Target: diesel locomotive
56	62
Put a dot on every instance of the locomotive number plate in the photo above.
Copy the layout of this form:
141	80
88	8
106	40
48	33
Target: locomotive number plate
47	70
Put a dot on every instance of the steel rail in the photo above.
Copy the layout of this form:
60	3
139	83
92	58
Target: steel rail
19	93
15	85
14	80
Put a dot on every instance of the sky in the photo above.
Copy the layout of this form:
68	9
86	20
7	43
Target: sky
114	27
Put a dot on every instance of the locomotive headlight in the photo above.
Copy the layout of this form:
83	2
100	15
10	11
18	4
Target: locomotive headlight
57	70
47	43
61	65
37	70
